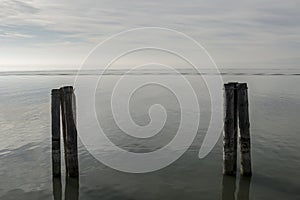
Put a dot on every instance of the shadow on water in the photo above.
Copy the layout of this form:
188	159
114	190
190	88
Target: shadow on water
231	191
71	188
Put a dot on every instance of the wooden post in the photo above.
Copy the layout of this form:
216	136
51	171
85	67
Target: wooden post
230	131
64	127
55	116
244	124
71	132
74	109
235	128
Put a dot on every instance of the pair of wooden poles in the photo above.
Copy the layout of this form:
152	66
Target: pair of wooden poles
236	113
63	110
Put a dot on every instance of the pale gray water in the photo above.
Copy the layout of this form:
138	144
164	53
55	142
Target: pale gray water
25	151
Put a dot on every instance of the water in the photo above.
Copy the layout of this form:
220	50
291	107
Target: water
25	151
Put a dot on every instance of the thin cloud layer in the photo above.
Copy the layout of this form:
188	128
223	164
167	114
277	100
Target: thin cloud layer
237	33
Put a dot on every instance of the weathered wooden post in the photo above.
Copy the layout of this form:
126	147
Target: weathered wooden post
55	116
74	109
244	124
64	127
230	130
71	132
235	127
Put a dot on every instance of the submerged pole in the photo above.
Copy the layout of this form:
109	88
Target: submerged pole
244	124
71	131
230	130
55	116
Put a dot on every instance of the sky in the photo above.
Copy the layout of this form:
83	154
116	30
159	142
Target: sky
59	34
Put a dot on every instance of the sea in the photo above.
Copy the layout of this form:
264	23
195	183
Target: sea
25	139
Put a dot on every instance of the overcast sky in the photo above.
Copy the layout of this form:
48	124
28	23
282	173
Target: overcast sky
237	33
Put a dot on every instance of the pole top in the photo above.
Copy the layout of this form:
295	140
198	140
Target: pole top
235	85
242	86
67	89
55	92
230	85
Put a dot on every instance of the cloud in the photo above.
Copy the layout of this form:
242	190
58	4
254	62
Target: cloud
235	26
14	35
210	19
12	8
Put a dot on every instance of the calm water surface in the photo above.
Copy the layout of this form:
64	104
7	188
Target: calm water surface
25	151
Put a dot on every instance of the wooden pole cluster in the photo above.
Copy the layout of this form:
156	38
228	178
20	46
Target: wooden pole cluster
236	110
63	100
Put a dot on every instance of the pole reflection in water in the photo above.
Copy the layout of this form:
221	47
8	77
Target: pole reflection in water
71	188
230	191
228	187
244	188
57	191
